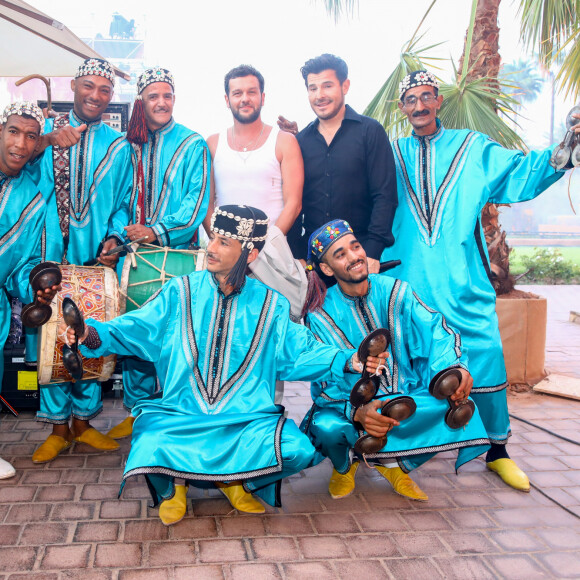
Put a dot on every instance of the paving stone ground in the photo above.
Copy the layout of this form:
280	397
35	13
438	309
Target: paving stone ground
63	520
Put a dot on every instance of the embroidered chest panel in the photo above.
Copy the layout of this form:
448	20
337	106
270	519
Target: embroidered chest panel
424	198
155	178
220	380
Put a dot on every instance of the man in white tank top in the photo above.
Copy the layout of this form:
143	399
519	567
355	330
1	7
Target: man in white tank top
254	164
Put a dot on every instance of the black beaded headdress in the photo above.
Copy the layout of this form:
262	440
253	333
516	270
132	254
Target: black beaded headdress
248	225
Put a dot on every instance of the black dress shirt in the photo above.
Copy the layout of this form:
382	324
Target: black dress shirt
353	179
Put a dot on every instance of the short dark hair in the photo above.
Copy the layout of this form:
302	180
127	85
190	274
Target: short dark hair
325	61
244	70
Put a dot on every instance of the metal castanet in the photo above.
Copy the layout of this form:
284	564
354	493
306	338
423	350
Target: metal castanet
43	276
442	387
400	409
71	357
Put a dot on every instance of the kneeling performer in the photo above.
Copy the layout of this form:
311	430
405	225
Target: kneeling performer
422	346
219	341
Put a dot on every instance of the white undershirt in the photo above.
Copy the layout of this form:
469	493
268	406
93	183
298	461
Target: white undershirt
249	178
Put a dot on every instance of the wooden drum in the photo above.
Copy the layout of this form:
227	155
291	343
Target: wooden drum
150	267
96	292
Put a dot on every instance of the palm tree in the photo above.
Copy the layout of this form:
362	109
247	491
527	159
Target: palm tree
475	96
523	75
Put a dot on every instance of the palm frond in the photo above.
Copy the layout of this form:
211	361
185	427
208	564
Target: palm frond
474	104
547	24
336	8
569	75
383	107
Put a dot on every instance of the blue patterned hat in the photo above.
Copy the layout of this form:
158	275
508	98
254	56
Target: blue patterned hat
96	67
325	236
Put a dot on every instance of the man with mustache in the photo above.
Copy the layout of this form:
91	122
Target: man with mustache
348	164
219	340
256	164
422	346
169	197
445	177
85	180
22	214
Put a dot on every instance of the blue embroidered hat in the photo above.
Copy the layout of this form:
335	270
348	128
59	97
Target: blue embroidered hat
325	236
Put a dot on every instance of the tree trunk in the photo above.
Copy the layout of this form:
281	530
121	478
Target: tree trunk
484	61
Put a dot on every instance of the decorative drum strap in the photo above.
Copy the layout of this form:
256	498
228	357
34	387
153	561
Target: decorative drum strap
61	169
140	209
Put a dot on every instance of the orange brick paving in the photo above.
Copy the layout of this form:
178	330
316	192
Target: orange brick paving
63	520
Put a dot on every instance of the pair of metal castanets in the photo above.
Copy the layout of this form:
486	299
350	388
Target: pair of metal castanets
443	385
569	149
43	276
365	389
71	357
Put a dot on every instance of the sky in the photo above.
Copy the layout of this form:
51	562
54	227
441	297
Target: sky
200	41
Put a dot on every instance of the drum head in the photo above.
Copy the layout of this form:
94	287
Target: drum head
150	267
95	291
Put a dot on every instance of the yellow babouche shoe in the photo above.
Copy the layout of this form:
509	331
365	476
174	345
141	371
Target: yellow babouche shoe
510	473
240	498
50	449
340	484
123	429
173	510
402	483
97	440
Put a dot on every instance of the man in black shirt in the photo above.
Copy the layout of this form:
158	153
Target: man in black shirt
349	168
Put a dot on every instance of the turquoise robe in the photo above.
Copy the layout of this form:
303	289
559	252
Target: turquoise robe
422	345
217	359
176	169
22	211
100	185
444	180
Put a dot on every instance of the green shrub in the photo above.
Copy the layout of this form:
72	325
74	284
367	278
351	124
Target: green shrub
548	266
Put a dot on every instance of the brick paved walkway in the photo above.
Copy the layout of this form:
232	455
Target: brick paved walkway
63	520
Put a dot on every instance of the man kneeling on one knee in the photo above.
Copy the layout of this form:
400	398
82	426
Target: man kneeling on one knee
421	347
219	341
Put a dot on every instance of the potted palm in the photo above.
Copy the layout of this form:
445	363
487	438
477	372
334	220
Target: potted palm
473	99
